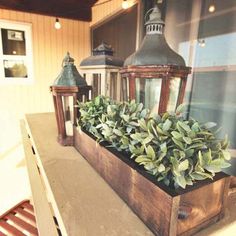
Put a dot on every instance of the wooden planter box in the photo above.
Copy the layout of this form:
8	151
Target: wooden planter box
165	211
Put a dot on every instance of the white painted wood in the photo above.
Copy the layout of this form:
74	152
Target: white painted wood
43	214
82	201
105	72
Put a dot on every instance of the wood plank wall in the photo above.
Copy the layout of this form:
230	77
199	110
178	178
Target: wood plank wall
49	48
104	11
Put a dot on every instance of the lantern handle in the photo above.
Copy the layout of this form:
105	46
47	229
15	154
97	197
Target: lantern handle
146	15
155	6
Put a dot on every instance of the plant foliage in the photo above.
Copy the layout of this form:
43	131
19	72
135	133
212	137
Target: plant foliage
174	150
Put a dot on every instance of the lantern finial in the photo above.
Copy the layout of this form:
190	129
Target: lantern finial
155	24
67	60
69	75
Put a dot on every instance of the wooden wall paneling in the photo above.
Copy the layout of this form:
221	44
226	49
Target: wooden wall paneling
87	49
71	40
48	52
76	36
79	40
41	57
58	35
64	29
36	69
27	18
49	48
54	65
4	14
48	62
99	13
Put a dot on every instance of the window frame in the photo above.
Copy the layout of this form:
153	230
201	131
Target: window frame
28	58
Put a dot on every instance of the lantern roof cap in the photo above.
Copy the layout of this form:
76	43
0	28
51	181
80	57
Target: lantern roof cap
154	17
154	49
67	59
102	55
103	49
69	75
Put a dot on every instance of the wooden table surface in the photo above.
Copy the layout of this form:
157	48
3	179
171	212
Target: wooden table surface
82	201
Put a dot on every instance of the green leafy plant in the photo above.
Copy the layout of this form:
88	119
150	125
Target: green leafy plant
91	114
174	150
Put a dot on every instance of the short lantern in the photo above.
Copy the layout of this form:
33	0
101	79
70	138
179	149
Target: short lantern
101	70
155	75
68	87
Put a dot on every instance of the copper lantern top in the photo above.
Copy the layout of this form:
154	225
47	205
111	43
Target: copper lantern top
69	75
154	49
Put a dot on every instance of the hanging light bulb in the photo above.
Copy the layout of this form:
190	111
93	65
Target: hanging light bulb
202	43
211	8
57	24
125	4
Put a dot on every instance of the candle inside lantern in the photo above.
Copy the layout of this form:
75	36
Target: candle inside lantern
69	128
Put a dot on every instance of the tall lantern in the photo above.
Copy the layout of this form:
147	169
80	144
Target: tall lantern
101	70
155	75
68	87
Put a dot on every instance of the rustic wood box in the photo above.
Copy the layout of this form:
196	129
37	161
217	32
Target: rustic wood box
165	211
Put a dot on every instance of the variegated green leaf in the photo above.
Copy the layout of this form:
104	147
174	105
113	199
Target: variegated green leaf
167	124
180	180
163	147
161	168
150	152
178	143
176	135
184	126
187	140
183	165
118	132
226	155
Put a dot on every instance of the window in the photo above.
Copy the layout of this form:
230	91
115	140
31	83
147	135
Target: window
206	40
16	63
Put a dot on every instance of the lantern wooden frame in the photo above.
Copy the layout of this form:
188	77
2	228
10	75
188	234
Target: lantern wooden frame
104	71
164	72
58	92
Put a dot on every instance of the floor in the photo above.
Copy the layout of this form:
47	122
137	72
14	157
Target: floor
14	183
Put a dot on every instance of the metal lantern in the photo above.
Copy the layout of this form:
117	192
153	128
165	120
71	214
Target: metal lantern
68	87
101	70
155	75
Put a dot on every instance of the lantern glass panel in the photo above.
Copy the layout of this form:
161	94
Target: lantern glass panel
174	93
148	92
96	84
113	85
68	107
124	89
